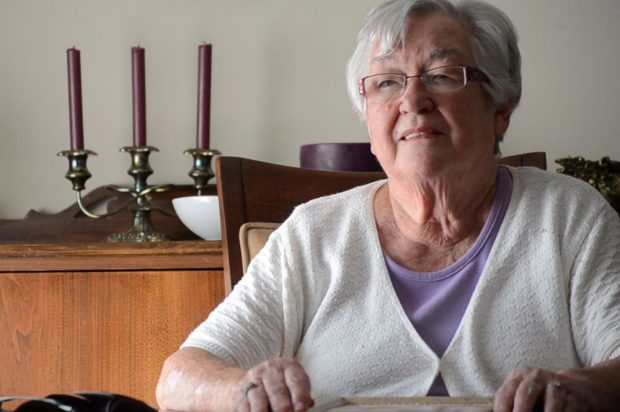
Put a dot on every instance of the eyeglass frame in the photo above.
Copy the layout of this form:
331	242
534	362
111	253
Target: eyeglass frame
470	74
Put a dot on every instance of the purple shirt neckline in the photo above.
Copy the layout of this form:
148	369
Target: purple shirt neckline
435	302
498	210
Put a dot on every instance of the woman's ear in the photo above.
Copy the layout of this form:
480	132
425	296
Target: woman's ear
502	120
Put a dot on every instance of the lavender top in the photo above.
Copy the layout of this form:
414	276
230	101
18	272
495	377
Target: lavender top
436	301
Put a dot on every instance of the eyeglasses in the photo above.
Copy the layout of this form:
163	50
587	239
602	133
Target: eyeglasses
444	79
83	402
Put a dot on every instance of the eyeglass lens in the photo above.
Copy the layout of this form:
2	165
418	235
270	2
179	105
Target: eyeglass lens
387	86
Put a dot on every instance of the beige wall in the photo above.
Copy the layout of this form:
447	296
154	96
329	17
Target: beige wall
278	83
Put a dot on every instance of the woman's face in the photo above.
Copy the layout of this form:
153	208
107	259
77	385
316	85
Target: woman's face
424	135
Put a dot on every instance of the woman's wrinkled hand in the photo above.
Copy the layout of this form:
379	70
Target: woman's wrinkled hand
533	389
278	385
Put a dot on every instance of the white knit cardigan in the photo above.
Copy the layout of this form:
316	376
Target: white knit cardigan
549	296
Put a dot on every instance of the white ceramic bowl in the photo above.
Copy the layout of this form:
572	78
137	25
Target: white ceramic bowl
200	214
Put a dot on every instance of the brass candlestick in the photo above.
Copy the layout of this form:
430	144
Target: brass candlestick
140	203
202	171
142	229
78	173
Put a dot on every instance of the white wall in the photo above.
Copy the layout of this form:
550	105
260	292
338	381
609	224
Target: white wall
278	83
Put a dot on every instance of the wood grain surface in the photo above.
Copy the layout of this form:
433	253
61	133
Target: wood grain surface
100	317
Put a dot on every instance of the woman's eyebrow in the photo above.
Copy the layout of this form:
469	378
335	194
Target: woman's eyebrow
441	53
382	58
436	54
387	61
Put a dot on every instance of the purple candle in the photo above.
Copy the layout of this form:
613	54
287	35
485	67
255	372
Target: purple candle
75	99
139	97
204	96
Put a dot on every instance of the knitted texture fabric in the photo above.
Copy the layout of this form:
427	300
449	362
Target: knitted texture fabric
549	296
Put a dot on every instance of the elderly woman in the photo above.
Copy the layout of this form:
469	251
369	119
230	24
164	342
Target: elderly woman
452	277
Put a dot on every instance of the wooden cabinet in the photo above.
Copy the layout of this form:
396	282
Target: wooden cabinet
100	316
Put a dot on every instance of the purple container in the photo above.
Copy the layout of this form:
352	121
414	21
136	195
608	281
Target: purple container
347	157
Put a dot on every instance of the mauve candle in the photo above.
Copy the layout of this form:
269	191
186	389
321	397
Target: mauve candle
204	96
75	99
139	97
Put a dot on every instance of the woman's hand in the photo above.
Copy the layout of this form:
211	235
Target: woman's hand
587	389
276	385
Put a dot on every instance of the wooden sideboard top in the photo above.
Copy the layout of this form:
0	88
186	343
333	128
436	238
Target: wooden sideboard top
70	241
43	257
72	226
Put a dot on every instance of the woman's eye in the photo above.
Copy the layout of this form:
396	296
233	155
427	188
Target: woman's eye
444	75
388	83
441	77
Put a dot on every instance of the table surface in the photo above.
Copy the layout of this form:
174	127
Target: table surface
407	404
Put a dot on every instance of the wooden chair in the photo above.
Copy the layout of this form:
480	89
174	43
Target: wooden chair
533	159
254	191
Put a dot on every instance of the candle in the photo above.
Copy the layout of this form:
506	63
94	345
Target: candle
75	99
204	96
139	97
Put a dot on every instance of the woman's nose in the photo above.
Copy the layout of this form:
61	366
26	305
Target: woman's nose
416	98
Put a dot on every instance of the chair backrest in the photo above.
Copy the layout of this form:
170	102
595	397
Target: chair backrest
532	159
254	191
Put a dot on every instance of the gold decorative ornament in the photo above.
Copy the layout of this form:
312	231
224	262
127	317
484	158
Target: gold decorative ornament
603	175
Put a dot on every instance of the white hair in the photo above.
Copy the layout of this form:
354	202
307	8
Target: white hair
494	44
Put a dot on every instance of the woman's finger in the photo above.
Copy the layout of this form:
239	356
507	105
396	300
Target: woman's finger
505	395
256	397
555	396
276	389
530	391
299	387
279	384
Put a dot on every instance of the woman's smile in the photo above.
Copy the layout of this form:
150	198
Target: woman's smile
419	133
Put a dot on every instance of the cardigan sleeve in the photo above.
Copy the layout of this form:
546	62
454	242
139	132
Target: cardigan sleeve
251	325
269	310
595	290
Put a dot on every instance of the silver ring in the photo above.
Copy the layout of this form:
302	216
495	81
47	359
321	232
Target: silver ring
557	385
248	387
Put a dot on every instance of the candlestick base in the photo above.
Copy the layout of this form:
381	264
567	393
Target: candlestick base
131	236
202	171
142	230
